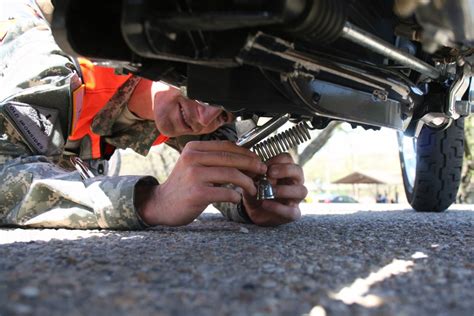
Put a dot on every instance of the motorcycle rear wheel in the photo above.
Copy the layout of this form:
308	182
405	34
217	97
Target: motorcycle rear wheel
431	166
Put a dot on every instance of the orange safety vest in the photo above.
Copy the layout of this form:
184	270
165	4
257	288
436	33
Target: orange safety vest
99	85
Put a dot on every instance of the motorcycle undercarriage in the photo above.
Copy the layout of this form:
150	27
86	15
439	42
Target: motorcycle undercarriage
317	60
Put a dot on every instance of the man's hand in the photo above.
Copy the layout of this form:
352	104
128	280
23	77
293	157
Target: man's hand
287	179
194	182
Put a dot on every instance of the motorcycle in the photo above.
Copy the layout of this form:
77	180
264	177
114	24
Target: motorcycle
403	64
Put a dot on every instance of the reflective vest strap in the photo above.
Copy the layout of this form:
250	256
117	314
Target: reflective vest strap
101	84
95	145
160	139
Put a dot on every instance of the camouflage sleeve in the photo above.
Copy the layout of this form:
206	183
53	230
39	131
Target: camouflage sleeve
231	211
36	193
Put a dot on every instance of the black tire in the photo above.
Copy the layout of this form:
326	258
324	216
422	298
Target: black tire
433	185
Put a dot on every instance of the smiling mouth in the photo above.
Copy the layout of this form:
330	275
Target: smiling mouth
183	118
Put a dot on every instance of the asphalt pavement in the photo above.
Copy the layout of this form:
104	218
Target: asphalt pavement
337	260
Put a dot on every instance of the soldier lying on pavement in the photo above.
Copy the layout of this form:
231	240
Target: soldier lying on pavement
55	109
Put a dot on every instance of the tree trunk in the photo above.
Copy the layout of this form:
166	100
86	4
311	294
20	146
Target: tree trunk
318	143
468	164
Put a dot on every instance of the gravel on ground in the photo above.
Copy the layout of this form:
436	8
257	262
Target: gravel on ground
337	260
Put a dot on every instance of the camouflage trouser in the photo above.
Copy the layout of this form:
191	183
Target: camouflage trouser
37	193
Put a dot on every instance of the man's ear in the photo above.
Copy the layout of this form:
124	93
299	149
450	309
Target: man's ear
141	100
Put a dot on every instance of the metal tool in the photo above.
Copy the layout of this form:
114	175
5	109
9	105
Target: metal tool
258	133
273	146
81	167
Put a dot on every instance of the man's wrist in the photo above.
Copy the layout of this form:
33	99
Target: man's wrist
144	203
243	213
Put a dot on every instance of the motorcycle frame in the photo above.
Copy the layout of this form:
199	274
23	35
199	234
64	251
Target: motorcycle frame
267	75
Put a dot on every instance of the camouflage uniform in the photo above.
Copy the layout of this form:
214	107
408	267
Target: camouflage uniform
37	189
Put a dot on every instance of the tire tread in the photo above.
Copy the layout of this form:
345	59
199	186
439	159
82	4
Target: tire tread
439	164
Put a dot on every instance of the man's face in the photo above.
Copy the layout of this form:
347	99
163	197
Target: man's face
176	115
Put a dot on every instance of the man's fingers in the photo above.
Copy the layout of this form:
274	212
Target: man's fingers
293	192
222	175
281	158
289	170
219	146
208	195
273	212
224	159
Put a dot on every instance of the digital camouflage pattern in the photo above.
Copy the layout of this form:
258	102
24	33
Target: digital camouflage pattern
36	193
39	191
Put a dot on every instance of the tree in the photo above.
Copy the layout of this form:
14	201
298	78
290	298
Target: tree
318	143
466	191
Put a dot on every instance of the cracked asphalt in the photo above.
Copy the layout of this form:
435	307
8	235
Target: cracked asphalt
337	260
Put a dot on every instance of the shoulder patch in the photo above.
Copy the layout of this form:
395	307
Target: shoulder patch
38	125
